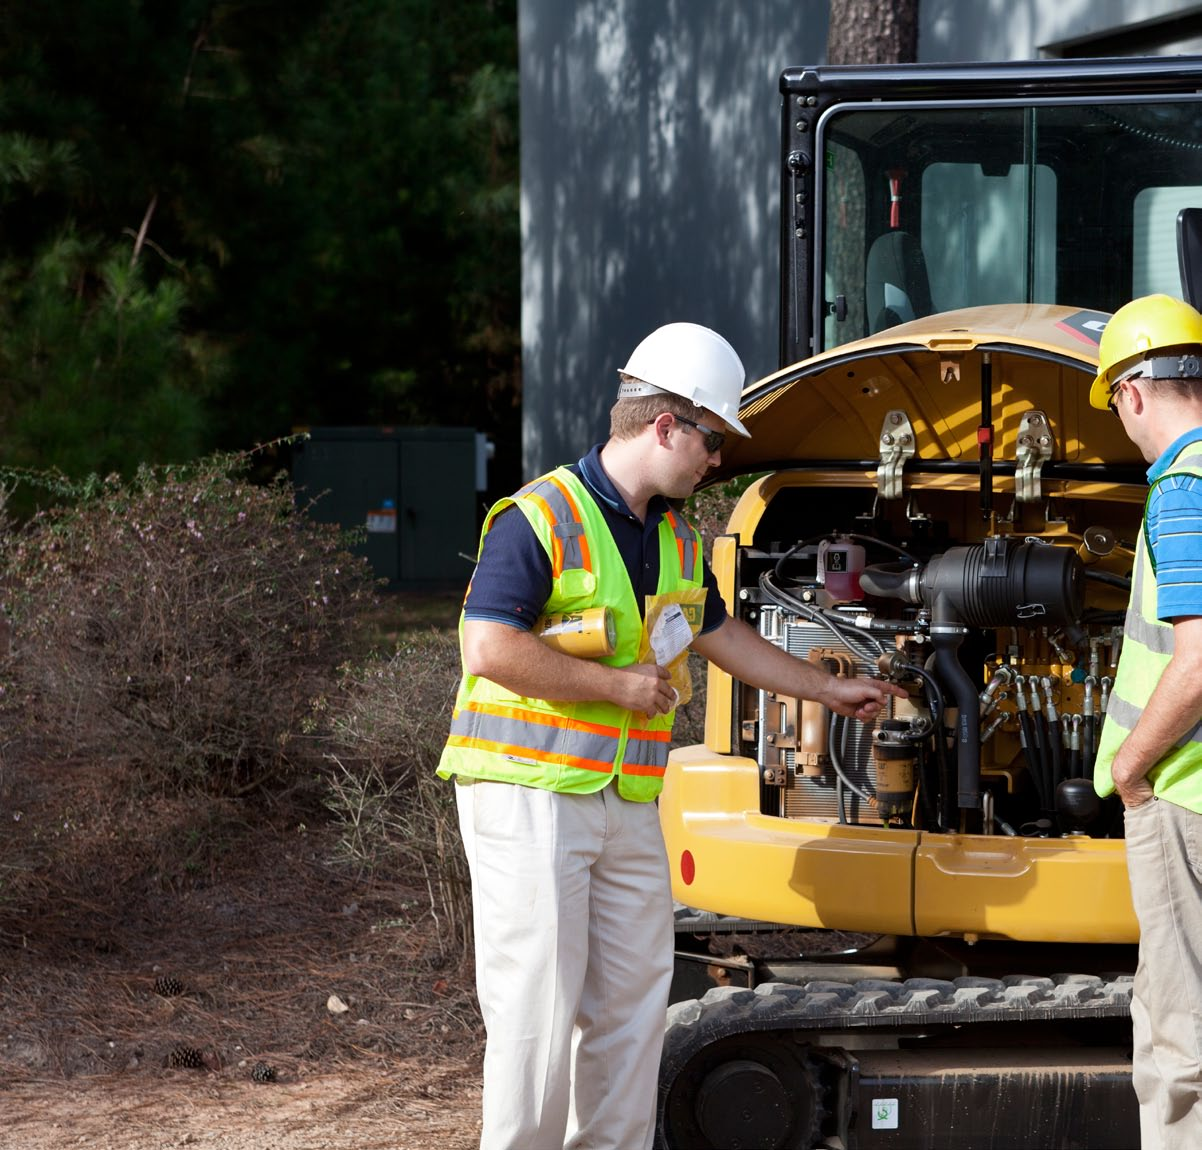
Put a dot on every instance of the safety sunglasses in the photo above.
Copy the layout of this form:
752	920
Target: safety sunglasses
713	439
1115	388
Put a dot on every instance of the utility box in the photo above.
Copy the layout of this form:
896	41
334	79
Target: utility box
413	491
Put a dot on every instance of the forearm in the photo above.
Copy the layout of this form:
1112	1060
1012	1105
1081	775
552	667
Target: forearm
521	663
742	653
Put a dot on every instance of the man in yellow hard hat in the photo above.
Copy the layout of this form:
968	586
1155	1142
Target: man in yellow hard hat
1150	376
558	759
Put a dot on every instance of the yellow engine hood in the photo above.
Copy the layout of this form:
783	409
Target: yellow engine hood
834	406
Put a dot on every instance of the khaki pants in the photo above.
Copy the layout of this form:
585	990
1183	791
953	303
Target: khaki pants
1164	860
573	917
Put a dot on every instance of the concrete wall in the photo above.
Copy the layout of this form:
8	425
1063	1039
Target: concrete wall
649	173
1025	29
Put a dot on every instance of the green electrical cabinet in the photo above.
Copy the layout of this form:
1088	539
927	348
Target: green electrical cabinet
414	493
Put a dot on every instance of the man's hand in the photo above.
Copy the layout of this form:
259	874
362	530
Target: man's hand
645	687
858	698
1131	784
1171	713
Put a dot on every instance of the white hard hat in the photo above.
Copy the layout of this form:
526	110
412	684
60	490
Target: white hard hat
692	361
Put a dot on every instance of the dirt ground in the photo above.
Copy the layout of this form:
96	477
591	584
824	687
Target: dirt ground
340	989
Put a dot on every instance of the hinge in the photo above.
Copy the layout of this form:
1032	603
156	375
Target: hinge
897	445
1035	447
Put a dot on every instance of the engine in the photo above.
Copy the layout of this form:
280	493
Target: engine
1007	649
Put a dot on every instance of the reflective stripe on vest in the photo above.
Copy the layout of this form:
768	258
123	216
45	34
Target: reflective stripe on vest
519	732
570	549
686	544
1126	715
646	752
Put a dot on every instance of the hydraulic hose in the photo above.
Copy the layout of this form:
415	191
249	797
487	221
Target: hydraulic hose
1088	730
1108	578
1027	738
1056	747
1056	740
837	753
866	646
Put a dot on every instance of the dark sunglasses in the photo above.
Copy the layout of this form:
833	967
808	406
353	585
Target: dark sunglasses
1115	388
713	439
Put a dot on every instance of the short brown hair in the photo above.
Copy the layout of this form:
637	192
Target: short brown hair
1187	389
629	416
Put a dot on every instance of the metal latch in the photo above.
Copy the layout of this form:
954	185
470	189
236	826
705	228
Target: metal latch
897	445
1035	447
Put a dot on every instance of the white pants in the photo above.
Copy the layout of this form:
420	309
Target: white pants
1164	861
573	919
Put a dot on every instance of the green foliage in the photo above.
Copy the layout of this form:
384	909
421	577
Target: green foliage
98	369
224	220
185	620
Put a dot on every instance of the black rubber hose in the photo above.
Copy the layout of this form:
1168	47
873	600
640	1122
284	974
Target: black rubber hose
1043	764
933	692
1056	756
1109	579
881	543
1088	749
1029	748
891	581
946	641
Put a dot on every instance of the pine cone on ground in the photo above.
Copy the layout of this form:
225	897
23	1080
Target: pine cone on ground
167	986
185	1058
262	1073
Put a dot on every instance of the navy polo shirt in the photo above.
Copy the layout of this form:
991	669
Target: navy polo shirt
512	582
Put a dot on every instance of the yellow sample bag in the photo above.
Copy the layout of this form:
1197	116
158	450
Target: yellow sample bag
669	624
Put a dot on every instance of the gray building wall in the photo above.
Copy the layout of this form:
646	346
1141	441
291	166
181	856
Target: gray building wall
650	175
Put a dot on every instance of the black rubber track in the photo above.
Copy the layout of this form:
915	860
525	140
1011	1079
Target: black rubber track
823	1005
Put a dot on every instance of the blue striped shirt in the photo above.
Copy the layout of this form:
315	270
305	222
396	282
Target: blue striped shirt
1174	526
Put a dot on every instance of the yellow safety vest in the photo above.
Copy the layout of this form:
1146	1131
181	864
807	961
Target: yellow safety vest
573	748
1147	649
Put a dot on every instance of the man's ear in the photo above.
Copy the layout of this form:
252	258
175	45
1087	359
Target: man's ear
663	424
1135	396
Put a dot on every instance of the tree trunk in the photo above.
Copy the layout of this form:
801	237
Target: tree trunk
873	32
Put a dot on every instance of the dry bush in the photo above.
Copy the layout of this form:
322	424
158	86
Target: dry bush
389	725
184	620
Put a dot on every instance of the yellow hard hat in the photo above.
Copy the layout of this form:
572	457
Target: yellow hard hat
1153	323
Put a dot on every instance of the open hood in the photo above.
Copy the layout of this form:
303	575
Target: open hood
940	379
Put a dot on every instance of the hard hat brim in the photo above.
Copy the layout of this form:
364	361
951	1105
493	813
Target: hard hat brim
737	428
1099	391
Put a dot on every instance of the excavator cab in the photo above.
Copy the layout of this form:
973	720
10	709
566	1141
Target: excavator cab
928	496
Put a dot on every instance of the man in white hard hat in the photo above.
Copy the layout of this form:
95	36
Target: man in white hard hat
558	759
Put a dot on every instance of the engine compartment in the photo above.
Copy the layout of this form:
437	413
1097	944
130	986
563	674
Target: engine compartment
1005	630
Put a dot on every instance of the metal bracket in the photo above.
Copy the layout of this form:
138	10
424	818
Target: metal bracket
897	445
1035	447
913	514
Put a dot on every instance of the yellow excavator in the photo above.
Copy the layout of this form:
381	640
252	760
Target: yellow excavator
928	496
